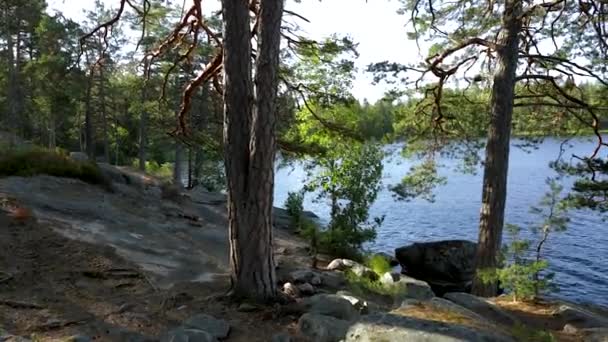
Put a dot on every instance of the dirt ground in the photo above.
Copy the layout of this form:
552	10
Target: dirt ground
52	287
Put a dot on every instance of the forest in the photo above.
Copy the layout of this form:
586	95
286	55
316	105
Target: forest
204	103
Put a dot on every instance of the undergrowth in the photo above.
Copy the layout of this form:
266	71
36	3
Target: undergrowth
36	161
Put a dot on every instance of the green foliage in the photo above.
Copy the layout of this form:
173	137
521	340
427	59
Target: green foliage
363	286
517	275
349	179
294	204
524	269
525	334
419	182
36	161
378	264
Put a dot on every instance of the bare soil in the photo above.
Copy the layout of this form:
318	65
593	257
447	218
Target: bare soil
52	287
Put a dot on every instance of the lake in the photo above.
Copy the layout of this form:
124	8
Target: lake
578	256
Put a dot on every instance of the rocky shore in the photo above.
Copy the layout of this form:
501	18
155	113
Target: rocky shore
79	263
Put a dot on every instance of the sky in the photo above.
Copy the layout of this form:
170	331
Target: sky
373	24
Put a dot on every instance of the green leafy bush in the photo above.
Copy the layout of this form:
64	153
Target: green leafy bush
362	286
294	204
349	178
378	264
35	161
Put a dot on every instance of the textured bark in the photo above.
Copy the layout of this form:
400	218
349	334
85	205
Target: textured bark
494	191
143	131
88	116
104	114
249	143
178	166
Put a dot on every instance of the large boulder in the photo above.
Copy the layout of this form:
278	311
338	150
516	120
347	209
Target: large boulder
392	327
331	305
579	317
321	328
407	287
215	327
448	266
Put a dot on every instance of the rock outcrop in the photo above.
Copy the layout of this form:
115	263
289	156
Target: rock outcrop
392	327
447	266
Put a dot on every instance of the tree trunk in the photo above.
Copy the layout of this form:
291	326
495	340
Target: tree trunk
494	191
178	166
249	143
12	81
104	114
190	168
88	116
143	127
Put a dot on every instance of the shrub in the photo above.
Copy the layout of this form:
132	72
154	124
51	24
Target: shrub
349	179
294	204
522	333
36	161
378	264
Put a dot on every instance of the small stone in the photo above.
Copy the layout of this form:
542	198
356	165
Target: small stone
282	337
216	327
125	307
316	280
570	329
291	290
333	279
188	335
78	338
306	289
281	250
248	307
407	286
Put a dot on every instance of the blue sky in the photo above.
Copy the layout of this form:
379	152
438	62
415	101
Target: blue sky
375	25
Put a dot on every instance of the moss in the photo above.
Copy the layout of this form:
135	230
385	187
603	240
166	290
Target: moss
523	333
36	161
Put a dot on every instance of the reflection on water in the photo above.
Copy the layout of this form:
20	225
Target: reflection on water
578	256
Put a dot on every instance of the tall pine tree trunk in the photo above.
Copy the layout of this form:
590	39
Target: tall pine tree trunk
178	166
249	142
11	119
88	116
494	191
143	130
104	114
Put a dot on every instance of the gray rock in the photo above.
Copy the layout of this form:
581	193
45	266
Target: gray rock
321	328
306	289
247	307
331	305
291	290
303	276
78	338
188	335
390	327
407	286
316	280
448	266
579	318
595	334
333	279
216	327
570	329
447	305
79	156
358	303
12	338
282	337
340	264
481	307
364	271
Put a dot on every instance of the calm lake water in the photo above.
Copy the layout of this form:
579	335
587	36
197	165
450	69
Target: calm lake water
578	256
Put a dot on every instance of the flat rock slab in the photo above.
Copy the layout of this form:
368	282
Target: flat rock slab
322	328
482	307
188	335
215	327
391	327
331	305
